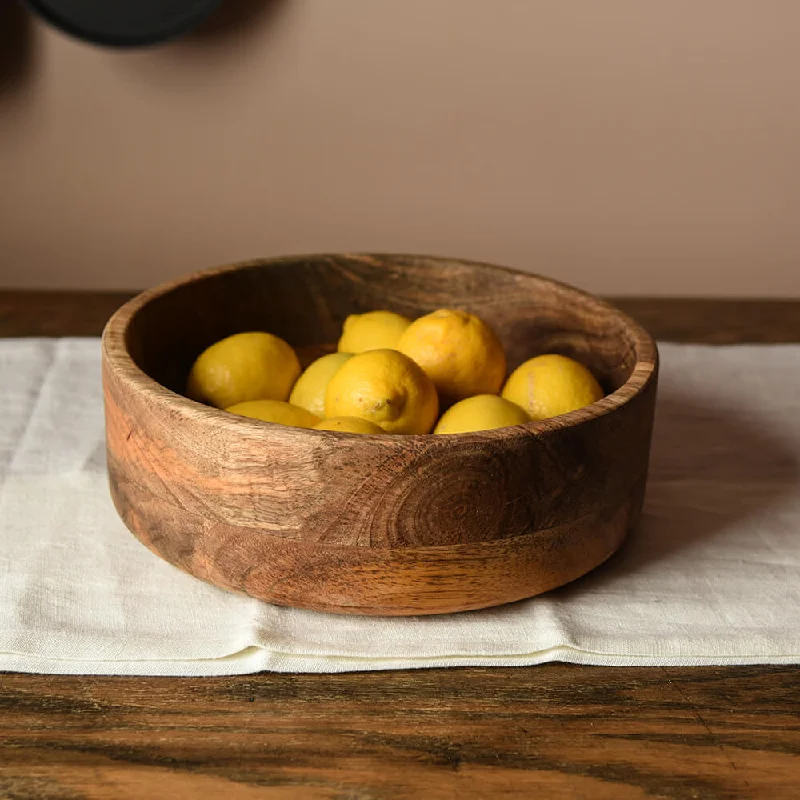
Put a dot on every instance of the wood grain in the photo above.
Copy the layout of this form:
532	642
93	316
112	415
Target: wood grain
29	312
564	731
374	525
57	313
561	731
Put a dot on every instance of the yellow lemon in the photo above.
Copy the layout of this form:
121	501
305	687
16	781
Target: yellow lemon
384	387
481	413
246	366
309	391
549	385
459	352
348	425
375	330
275	411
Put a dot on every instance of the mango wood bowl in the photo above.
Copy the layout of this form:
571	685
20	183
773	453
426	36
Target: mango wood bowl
374	524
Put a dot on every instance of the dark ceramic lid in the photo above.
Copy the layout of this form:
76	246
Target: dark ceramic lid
124	23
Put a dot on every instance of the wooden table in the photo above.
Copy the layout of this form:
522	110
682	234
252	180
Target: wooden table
556	730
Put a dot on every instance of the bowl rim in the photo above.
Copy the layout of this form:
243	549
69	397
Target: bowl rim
117	358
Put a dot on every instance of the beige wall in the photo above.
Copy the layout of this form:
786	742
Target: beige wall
627	146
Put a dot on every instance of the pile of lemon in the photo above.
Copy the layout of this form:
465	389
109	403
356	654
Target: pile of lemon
391	375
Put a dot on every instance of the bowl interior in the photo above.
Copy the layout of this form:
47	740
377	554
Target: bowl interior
306	299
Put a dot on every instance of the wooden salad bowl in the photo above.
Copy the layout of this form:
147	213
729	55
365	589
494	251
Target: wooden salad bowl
356	524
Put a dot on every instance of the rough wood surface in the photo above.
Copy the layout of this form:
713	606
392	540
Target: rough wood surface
374	525
564	731
28	312
552	731
57	313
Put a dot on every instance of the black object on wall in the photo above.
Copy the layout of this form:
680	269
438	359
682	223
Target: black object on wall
124	23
